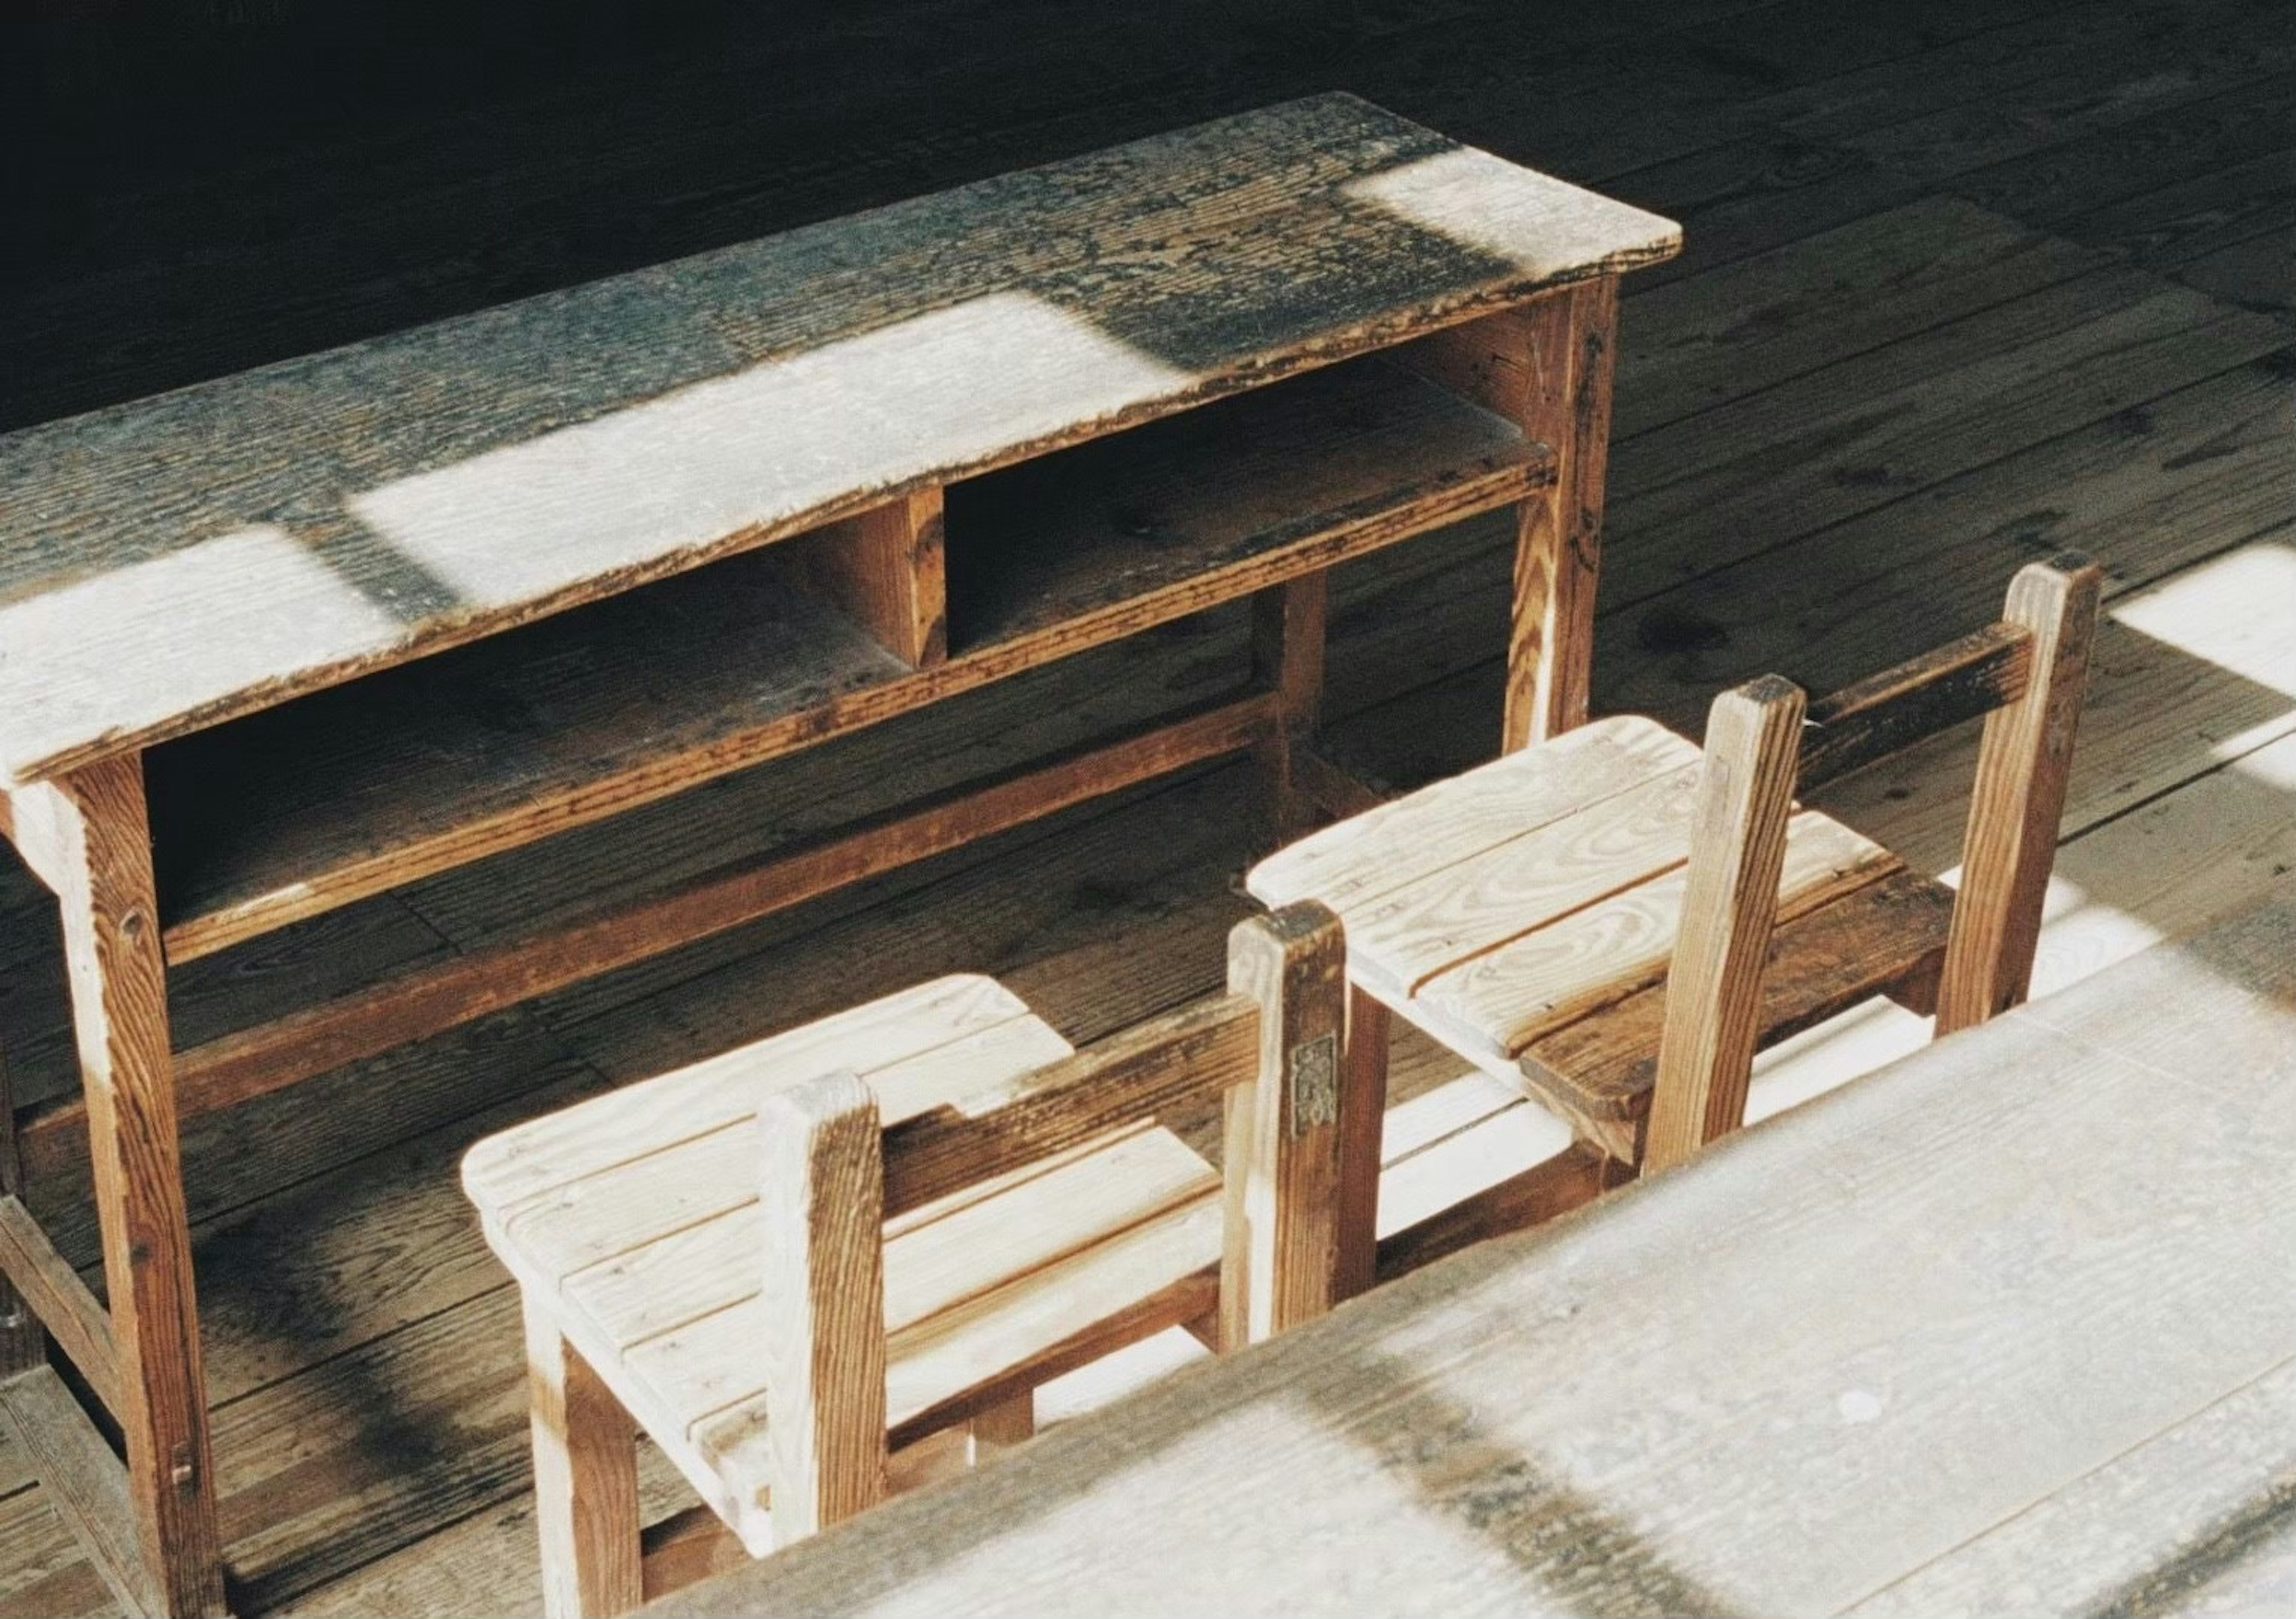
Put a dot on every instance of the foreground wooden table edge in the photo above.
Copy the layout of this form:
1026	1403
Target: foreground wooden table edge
2224	1446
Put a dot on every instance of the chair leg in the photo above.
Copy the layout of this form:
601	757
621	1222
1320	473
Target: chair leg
1363	1109
1001	1426
1287	658
1280	1262
822	1195
2023	765
585	1481
1714	985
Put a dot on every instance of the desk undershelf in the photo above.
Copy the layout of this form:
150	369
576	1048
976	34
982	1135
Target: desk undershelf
492	746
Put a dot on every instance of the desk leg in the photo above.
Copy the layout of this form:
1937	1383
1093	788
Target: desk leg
1567	338
119	1012
1287	658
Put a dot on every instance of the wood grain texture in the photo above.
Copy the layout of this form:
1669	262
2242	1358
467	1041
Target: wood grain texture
687	1546
1394	845
595	712
722	1093
45	1283
1762	1415
1363	1115
1792	316
250	1062
1282	1144
84	1481
1860	723
1133	516
1493	1007
2163	717
1489	898
656	1281
1288	632
1572	342
2023	767
1886	937
886	569
258	536
618	1173
1570	1179
24	1253
585	1480
1049	1221
1729	907
120	1013
822	1197
1200	1051
1546	367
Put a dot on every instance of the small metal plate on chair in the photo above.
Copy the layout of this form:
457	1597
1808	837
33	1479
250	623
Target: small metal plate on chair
1315	1080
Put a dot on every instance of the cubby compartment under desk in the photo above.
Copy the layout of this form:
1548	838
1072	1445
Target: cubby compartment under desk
369	785
284	640
1198	508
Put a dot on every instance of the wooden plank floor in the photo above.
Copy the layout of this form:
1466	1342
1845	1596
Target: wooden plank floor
1966	282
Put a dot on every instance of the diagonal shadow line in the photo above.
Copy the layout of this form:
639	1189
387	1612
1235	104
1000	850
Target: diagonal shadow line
1583	1556
1234	281
2230	1542
381	572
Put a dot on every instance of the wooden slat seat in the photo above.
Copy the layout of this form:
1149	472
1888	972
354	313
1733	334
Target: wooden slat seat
884	1230
1520	909
633	1218
1617	918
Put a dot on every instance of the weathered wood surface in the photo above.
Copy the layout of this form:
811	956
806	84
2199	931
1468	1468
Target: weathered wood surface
1897	707
822	1347
2018	799
596	711
120	1016
1501	907
1886	937
1729	908
180	560
85	1481
1707	1397
1025	1232
1981	389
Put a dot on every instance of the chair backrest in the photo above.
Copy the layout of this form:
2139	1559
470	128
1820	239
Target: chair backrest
1764	744
832	1177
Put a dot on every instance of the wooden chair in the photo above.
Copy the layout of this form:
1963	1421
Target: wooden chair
878	1233
1618	919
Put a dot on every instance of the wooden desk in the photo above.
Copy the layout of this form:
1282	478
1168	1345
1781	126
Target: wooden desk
290	638
2007	1328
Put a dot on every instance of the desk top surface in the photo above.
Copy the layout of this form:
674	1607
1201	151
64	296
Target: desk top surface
176	561
2007	1326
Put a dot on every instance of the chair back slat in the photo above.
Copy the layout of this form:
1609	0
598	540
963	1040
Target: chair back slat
2025	673
832	1175
2023	763
1148	1069
1939	689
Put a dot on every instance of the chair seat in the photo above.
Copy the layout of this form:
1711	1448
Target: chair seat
633	1219
1524	913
